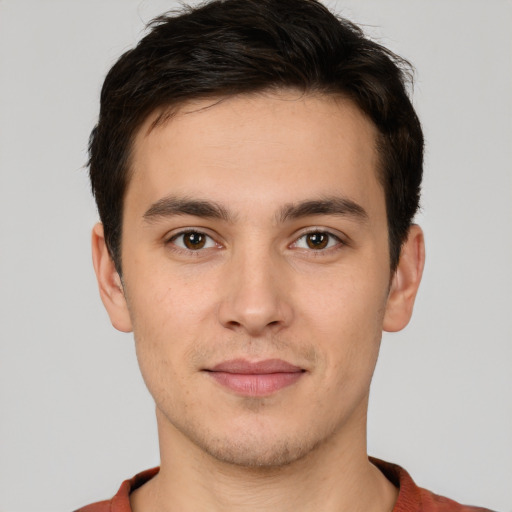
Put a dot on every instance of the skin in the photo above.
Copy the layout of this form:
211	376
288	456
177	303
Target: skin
257	290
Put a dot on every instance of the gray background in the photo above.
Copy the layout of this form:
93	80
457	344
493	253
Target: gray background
75	418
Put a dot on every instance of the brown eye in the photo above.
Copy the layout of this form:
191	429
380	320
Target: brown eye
194	241
317	240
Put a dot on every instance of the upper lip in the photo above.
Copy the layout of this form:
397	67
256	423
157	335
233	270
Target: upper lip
242	366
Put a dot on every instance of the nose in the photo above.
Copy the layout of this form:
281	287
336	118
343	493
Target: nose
256	299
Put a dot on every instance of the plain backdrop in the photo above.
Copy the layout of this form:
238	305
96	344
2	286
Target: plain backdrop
75	417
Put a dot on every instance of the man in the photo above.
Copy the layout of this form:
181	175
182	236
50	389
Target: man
257	167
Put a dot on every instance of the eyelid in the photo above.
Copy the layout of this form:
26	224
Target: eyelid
339	237
173	235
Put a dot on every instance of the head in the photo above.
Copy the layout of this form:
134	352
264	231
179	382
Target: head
257	167
227	48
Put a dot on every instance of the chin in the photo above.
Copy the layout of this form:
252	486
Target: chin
257	453
259	445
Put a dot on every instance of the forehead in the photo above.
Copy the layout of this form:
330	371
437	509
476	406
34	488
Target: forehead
281	145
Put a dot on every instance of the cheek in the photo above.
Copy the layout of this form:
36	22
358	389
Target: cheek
165	363
161	325
346	320
164	302
173	314
345	301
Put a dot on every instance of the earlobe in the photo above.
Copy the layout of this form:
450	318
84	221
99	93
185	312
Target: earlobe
405	282
109	282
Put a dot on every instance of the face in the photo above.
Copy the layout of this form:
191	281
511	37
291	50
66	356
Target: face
256	274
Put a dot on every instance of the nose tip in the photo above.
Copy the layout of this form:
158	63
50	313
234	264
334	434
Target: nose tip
255	323
255	302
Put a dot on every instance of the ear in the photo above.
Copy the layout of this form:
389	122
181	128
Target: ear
109	282
405	281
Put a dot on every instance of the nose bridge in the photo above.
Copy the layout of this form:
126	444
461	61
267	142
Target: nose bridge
255	298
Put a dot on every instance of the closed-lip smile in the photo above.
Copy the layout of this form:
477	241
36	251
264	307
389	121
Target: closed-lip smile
255	379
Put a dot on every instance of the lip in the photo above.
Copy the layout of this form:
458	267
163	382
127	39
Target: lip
255	379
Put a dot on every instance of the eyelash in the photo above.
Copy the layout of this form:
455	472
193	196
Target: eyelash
316	252
331	238
172	241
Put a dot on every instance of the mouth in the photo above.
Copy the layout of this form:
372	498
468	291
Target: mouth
255	379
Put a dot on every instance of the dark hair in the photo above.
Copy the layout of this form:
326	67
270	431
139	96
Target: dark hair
229	47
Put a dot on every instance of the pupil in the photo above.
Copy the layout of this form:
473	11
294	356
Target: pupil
194	240
317	240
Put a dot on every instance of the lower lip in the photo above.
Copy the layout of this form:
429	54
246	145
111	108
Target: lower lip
256	384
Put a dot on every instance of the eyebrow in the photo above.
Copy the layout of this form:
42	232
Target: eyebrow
171	206
339	206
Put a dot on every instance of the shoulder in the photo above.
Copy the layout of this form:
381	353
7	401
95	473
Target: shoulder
121	501
100	506
433	502
412	498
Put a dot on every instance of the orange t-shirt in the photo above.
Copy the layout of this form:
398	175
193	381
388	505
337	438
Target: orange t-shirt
411	498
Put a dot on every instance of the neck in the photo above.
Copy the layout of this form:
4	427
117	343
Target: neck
336	476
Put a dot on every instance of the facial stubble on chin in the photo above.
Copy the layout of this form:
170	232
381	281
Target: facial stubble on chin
246	451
